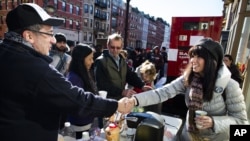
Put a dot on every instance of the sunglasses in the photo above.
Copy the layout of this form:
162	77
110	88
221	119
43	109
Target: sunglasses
117	48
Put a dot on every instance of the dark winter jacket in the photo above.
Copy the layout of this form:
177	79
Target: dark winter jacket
34	95
76	120
236	74
113	79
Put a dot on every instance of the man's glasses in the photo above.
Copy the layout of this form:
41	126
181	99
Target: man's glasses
49	34
117	48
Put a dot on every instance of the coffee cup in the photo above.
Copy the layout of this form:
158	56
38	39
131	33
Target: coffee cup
197	114
103	94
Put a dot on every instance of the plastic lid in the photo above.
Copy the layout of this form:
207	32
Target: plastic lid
85	135
67	124
112	125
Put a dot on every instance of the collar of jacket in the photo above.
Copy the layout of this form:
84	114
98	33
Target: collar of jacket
13	45
106	53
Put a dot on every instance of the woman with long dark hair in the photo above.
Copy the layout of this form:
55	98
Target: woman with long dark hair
81	75
208	86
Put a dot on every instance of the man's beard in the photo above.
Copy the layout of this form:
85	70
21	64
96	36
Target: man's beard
61	48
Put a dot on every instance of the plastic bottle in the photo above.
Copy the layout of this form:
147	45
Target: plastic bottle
68	133
112	132
85	136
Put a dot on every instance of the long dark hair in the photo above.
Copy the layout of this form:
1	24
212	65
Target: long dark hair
79	53
210	71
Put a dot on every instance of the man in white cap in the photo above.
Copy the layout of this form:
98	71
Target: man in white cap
33	94
61	59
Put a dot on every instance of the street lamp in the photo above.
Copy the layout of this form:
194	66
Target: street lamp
78	30
126	24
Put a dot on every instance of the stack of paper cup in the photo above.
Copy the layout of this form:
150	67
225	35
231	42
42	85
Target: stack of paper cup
103	94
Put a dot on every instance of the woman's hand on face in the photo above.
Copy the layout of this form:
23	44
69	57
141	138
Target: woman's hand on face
205	121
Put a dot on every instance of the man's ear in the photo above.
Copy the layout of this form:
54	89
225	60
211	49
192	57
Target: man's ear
28	36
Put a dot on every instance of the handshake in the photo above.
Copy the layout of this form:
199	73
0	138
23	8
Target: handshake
125	105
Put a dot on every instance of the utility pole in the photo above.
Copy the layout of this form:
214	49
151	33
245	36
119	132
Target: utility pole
126	24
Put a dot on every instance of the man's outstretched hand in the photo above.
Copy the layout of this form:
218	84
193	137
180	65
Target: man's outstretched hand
125	105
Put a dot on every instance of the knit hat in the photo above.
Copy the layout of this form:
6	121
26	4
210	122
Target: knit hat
214	48
155	47
28	14
60	37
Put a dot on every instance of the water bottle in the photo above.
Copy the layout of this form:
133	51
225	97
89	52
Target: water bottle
68	133
85	136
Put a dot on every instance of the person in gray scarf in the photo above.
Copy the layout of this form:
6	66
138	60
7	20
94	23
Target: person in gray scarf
207	86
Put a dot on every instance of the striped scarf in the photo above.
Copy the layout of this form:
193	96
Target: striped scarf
195	100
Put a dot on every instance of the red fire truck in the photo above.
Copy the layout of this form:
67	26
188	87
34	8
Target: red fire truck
185	32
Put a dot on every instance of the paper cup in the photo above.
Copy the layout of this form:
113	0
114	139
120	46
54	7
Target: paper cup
103	94
200	113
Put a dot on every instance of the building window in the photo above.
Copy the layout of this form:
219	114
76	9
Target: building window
90	37
97	12
63	6
86	8
71	8
113	22
85	22
103	27
56	3
191	25
91	23
85	36
107	16
97	25
77	10
108	3
91	10
107	27
71	24
248	5
114	9
122	13
77	24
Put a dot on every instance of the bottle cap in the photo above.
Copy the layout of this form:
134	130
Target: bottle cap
112	125
67	124
85	135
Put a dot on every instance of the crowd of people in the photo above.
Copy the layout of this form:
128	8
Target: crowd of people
45	82
157	55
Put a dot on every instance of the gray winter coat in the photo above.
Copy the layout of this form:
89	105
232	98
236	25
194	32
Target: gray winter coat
224	113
